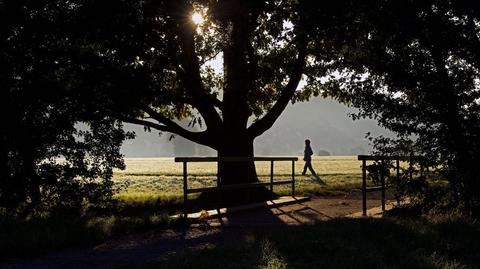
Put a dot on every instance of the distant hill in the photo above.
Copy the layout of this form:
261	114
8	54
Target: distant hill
324	121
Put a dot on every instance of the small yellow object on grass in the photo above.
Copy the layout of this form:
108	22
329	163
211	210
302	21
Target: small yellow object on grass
203	215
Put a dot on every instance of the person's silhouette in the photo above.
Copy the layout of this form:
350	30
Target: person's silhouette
307	157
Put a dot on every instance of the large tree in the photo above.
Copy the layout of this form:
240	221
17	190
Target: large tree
262	46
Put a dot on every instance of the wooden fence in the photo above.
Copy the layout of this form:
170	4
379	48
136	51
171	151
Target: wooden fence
219	187
382	187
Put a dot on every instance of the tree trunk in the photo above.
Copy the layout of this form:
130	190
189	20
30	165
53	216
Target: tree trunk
239	145
236	145
32	180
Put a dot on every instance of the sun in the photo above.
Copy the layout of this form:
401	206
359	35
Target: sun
197	18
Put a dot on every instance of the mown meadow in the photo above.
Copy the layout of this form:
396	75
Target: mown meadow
161	178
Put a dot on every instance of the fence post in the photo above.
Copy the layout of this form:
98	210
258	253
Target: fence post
382	178
364	187
218	195
271	175
410	167
218	173
185	188
398	179
293	178
421	169
398	169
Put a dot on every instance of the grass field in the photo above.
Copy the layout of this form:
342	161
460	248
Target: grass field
150	191
150	177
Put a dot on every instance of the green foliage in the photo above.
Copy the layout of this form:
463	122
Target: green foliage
414	66
48	159
155	65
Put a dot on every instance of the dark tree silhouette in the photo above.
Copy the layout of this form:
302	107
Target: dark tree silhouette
42	153
264	46
414	65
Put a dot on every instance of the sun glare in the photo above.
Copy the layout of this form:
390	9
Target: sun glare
197	18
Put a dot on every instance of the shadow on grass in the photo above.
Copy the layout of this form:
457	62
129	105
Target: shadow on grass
230	198
346	243
318	180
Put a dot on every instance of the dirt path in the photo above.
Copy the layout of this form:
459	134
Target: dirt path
162	244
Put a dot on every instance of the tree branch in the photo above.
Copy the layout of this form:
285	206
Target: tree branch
169	126
191	68
267	121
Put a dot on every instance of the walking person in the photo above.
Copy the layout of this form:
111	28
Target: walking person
307	157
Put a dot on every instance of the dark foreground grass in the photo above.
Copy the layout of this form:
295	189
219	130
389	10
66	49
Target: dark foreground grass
345	243
39	235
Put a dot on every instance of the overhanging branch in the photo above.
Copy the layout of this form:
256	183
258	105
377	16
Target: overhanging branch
203	137
267	121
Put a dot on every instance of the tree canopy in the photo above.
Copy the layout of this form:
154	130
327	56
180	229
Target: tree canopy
232	67
158	66
43	152
414	66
